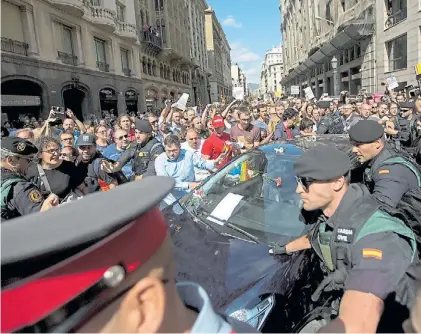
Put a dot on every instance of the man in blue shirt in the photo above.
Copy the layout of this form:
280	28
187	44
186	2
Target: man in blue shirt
115	151
179	164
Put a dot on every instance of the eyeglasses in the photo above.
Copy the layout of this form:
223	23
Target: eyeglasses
245	119
304	182
122	137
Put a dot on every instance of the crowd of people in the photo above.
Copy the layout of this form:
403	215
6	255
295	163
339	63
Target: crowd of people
48	163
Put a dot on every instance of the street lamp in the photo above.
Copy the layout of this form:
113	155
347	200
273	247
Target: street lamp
334	62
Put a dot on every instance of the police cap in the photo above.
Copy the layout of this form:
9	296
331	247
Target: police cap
143	126
366	131
322	163
61	266
18	146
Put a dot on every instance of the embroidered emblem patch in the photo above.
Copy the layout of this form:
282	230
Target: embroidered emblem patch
384	171
35	196
345	235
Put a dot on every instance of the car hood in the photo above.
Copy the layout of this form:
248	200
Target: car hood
225	266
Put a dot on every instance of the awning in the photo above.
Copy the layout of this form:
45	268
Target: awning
347	36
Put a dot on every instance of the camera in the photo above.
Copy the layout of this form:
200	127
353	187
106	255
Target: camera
58	110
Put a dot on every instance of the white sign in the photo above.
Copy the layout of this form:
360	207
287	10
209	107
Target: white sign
309	93
238	93
182	102
295	90
225	208
392	82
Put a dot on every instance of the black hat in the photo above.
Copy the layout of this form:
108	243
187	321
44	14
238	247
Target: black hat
86	139
81	255
18	146
366	131
143	126
323	163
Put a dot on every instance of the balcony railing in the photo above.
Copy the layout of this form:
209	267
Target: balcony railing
68	59
104	67
395	18
12	46
149	37
127	72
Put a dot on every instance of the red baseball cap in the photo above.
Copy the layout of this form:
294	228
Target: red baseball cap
218	122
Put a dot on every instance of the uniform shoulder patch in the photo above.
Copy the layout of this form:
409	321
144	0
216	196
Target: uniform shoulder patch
384	171
35	196
373	253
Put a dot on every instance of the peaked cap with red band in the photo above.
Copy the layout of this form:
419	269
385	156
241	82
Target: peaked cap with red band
121	228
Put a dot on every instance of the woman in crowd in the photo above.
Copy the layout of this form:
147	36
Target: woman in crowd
101	138
54	175
125	123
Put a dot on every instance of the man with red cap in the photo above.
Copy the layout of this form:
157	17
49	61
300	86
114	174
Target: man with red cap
217	143
89	267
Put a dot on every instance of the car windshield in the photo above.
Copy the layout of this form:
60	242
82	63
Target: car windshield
254	194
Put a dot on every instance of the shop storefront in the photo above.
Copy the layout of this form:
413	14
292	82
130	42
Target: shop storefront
131	97
109	100
151	100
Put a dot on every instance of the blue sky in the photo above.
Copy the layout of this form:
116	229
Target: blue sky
252	27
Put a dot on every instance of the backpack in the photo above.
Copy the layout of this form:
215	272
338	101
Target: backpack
409	207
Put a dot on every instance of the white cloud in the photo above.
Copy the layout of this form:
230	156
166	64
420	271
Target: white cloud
241	54
252	74
231	22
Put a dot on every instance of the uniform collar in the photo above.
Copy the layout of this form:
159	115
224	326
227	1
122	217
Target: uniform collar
207	320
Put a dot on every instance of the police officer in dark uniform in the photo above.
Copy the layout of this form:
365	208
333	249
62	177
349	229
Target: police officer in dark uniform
365	252
389	174
19	196
331	123
113	274
143	152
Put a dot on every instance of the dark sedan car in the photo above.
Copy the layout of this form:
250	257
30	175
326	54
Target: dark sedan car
223	229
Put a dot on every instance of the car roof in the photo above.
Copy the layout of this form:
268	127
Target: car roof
298	145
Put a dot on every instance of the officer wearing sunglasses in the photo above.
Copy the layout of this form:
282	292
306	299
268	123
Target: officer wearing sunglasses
364	252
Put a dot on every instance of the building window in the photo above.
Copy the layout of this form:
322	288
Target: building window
159	5
68	40
125	66
95	3
101	59
397	53
120	12
396	11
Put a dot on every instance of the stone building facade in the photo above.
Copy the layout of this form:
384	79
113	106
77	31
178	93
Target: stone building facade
93	55
328	45
271	73
219	59
398	40
198	53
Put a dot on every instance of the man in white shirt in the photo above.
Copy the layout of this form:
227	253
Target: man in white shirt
194	144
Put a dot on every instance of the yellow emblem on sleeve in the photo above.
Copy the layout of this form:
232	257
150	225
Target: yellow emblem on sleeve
35	196
384	171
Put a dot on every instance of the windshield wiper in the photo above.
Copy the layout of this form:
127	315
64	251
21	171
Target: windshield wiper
227	224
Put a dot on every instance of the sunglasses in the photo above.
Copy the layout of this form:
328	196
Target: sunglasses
122	137
304	182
